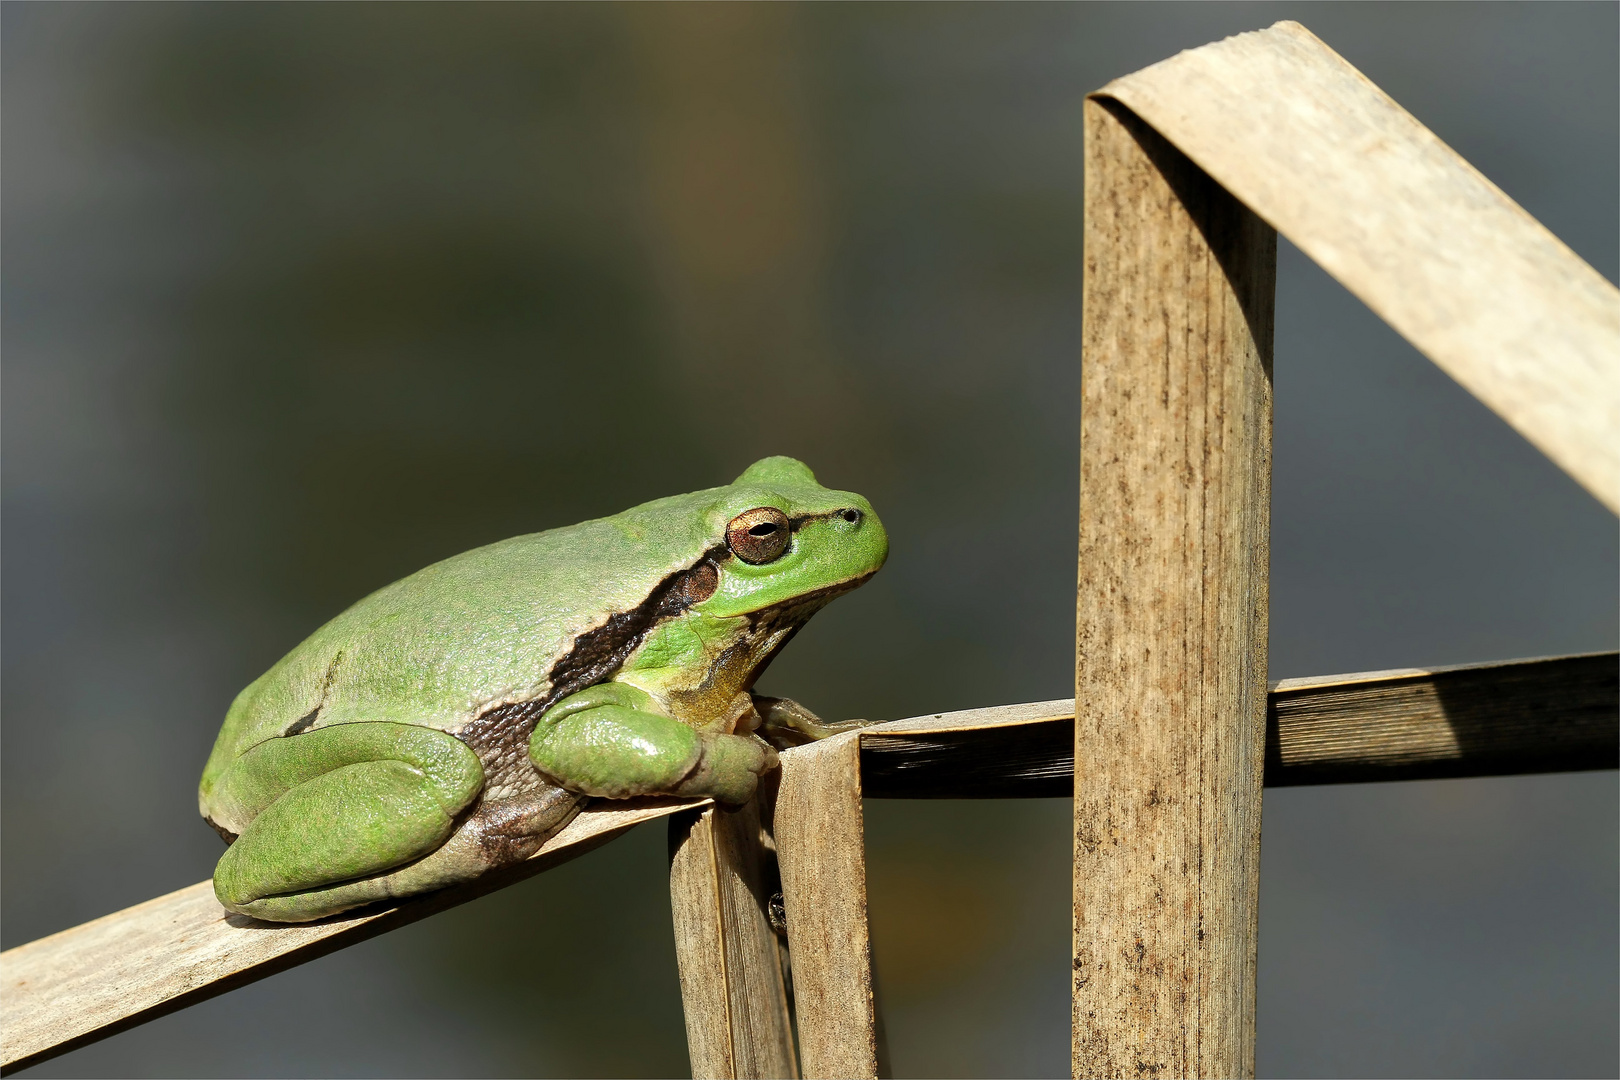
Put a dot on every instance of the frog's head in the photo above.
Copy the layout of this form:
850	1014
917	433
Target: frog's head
782	538
758	557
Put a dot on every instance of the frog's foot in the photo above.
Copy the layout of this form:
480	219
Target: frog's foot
495	834
335	805
607	741
786	723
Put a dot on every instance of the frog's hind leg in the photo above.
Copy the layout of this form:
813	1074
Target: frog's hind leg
334	805
494	834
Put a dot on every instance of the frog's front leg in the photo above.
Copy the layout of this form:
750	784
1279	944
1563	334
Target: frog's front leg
786	724
611	741
332	805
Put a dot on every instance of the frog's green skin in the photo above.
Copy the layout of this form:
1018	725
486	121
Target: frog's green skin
454	720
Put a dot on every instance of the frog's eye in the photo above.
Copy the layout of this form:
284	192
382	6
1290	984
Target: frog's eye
759	535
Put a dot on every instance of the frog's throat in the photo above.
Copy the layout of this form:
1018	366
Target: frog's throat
773	627
705	699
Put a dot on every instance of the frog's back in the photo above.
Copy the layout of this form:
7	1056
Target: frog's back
475	631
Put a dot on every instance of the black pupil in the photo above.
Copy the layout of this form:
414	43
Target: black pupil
763	529
852	516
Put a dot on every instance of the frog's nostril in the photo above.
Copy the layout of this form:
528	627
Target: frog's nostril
852	516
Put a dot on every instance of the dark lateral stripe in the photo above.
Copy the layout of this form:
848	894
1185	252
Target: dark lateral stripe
500	736
1525	716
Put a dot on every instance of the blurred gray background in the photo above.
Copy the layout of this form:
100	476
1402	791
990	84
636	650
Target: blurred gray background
299	298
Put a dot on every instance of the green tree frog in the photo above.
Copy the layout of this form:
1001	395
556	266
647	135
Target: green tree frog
456	719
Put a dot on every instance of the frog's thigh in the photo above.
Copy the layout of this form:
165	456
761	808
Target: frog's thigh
274	767
353	820
495	834
615	752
